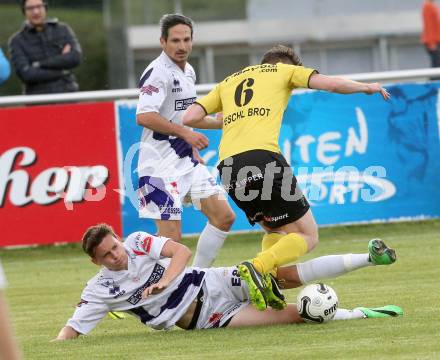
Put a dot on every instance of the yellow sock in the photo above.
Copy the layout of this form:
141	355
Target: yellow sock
269	240
286	250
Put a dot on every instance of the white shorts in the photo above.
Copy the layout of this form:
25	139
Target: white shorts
163	198
224	295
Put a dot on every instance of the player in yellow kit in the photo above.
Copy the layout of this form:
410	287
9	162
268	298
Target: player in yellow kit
252	168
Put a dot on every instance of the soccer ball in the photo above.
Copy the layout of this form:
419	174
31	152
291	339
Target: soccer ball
317	303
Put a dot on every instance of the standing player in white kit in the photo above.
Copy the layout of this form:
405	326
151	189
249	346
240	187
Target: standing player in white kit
170	169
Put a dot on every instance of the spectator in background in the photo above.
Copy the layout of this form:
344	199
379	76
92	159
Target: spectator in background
5	68
8	347
431	31
44	52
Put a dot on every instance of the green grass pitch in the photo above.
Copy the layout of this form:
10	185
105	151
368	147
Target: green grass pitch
45	285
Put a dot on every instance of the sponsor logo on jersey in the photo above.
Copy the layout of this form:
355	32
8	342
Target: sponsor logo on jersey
144	244
183	104
259	68
149	90
114	289
177	88
155	276
106	282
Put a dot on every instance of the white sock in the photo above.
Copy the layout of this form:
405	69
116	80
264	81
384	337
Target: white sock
210	241
331	266
344	314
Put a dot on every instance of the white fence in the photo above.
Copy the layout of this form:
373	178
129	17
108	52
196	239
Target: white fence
107	95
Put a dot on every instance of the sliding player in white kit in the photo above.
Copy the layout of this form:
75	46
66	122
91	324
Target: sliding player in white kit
147	276
170	170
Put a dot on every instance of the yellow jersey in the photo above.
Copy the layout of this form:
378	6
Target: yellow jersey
253	101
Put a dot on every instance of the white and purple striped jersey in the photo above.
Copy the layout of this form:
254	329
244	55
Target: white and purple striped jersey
122	290
169	91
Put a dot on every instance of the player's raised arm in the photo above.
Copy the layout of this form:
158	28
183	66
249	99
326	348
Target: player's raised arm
180	256
345	86
196	117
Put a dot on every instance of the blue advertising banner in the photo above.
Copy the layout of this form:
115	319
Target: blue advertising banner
357	158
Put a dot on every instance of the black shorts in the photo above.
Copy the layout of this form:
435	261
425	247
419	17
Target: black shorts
262	184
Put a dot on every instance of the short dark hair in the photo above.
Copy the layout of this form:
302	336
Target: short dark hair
169	20
281	53
23	4
94	236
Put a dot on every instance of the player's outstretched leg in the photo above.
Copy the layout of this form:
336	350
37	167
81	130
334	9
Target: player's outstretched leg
256	284
380	254
249	316
381	312
331	266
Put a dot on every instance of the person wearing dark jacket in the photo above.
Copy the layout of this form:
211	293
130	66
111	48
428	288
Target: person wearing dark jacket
44	52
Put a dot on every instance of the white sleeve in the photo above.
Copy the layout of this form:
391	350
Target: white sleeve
89	312
2	278
141	243
152	90
193	73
